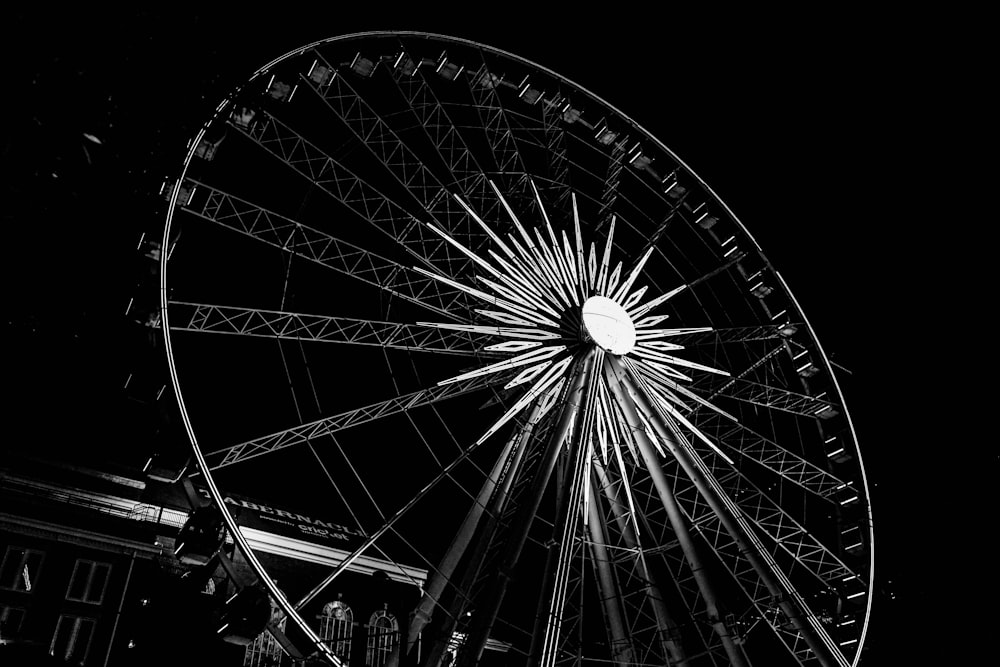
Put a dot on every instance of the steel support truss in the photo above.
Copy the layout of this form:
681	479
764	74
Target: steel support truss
298	326
741	389
272	442
733	531
227	210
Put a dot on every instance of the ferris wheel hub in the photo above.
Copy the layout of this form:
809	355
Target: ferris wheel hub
607	325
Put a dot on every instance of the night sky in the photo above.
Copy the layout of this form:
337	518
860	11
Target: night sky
827	116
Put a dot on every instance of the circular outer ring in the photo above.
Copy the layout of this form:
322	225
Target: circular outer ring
213	490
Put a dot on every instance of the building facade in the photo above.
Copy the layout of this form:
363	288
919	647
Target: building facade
88	576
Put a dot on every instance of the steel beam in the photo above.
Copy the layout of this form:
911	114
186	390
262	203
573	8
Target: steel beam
398	159
569	499
472	650
239	215
621	646
730	335
672	649
618	383
506	465
201	317
732	519
273	442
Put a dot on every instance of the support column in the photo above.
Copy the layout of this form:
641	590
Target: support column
614	372
622	651
628	393
486	615
569	498
510	460
664	623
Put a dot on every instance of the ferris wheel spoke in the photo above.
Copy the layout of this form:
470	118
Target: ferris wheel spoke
333	87
724	335
471	175
678	205
739	388
493	117
388	525
735	524
227	210
611	181
786	532
739	438
709	384
594	179
489	501
761	512
767	607
556	149
470	179
296	435
282	325
343	185
505	155
776	398
408	70
728	432
409	75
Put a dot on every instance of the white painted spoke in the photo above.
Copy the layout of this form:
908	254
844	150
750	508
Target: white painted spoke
581	261
602	277
507	332
552	376
653	355
627	285
613	280
530	357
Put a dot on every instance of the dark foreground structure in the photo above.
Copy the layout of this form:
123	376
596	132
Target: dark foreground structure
90	576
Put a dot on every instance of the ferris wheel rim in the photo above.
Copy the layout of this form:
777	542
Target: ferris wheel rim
164	300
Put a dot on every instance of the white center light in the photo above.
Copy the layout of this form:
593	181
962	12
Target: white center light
607	324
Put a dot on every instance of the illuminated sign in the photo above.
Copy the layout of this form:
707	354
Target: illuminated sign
257	515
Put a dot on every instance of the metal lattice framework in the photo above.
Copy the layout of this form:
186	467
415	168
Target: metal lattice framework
663	470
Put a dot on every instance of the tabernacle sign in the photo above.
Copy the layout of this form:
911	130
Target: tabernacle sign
256	515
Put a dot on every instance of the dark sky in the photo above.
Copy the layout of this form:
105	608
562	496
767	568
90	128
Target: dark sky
825	116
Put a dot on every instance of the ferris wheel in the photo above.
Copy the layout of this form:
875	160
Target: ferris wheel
510	338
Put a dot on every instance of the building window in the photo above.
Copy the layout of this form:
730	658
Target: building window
20	569
11	622
383	633
71	640
336	624
88	581
264	650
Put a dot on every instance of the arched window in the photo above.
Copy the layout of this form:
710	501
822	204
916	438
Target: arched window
265	651
383	633
336	623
